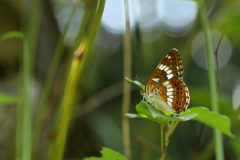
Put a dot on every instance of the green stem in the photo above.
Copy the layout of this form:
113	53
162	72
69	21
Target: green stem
34	14
93	29
26	148
66	110
212	79
172	128
162	142
82	29
166	136
23	111
76	69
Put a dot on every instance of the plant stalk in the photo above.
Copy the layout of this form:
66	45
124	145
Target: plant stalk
40	117
166	136
66	109
23	129
162	142
219	152
126	86
76	70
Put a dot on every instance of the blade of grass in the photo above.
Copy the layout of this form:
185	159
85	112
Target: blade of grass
49	80
34	18
23	138
126	85
76	69
219	152
33	15
82	29
93	29
26	103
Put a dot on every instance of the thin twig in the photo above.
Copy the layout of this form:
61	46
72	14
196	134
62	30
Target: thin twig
217	63
126	86
200	139
100	98
146	142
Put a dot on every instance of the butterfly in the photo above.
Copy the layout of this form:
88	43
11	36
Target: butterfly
165	87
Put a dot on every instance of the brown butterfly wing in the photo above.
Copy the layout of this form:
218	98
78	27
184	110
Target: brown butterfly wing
170	67
166	84
174	92
172	64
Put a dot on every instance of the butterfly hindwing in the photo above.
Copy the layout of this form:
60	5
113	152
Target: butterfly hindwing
174	92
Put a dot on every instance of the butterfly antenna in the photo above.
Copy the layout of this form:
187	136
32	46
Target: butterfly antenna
137	77
141	91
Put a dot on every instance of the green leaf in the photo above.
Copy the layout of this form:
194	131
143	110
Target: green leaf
201	114
211	119
6	99
136	83
147	111
108	154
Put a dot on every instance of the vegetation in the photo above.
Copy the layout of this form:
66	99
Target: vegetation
64	90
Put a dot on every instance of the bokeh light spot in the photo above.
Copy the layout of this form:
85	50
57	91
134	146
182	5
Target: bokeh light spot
235	97
176	16
199	52
113	18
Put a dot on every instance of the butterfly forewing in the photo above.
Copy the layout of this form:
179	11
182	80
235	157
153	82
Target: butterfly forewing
165	86
170	67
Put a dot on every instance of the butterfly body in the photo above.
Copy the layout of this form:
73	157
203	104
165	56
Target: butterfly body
165	87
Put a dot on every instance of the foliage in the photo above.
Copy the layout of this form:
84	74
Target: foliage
108	154
45	69
201	114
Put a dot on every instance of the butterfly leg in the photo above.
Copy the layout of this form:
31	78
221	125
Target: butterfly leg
142	92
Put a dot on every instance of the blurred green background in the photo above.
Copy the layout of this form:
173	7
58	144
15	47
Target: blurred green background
156	27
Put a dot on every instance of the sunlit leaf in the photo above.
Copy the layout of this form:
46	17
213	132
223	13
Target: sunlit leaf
201	114
211	119
136	83
108	154
147	111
